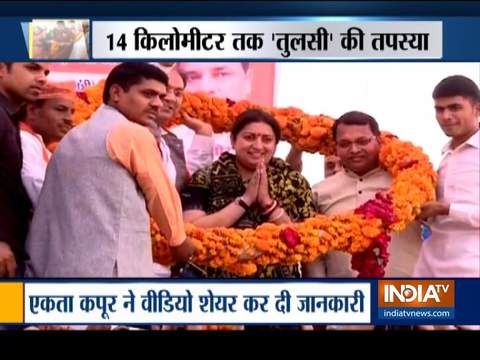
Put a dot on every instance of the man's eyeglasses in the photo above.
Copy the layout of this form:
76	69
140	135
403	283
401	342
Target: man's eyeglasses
361	142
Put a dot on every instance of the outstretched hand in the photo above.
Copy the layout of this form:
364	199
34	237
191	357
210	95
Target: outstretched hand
434	208
200	127
8	265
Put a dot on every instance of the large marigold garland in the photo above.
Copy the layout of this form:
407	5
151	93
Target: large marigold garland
364	232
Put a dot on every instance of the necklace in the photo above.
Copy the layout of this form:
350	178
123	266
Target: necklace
245	179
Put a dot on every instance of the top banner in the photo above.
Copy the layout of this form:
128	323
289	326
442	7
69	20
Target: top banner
267	40
287	38
314	31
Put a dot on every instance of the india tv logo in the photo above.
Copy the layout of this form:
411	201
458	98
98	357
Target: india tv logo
416	299
416	293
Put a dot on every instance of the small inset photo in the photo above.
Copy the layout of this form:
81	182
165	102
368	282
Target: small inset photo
59	39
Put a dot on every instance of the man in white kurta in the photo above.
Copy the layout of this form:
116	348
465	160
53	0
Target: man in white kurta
47	120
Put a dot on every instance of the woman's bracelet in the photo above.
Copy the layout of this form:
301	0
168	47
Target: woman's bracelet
240	202
269	210
279	215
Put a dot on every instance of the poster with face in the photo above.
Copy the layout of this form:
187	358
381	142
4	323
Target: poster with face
231	80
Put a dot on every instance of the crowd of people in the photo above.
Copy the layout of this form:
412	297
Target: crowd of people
85	210
66	40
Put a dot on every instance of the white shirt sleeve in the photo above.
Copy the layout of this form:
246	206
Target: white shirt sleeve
467	213
34	166
320	197
200	153
168	164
